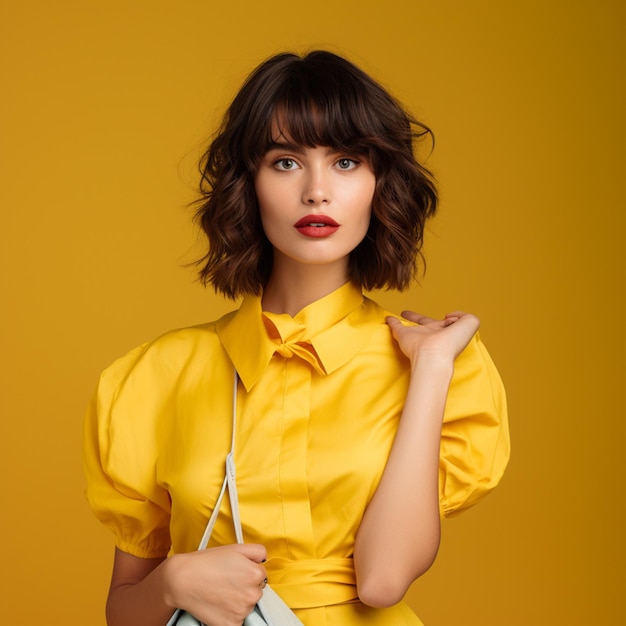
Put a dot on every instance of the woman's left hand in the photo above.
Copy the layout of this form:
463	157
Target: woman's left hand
438	338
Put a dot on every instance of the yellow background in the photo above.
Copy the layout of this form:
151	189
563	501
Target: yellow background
104	108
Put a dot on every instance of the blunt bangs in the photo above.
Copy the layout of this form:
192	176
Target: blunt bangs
321	113
321	100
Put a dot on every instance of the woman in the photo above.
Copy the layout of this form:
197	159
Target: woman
356	432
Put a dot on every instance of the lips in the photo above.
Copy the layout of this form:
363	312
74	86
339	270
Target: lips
316	226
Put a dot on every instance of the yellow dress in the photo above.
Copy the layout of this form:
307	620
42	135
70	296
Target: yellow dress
318	406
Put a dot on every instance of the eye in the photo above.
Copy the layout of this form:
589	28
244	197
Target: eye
347	164
285	164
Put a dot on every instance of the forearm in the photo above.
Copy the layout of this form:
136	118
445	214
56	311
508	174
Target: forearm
141	601
399	534
219	586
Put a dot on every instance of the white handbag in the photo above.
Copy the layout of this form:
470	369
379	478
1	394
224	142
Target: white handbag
270	609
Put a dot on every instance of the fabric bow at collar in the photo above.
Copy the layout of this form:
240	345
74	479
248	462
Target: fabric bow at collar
326	334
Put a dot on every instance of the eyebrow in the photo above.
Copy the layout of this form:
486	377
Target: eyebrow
289	147
292	147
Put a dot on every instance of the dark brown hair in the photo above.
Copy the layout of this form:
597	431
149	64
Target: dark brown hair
319	99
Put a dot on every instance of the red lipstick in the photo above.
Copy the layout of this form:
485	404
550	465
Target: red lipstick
316	226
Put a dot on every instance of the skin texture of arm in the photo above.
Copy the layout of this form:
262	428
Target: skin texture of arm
219	586
399	535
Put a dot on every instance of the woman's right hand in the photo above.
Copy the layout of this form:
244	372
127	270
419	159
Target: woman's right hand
218	586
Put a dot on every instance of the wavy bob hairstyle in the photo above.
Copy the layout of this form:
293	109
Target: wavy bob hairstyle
319	99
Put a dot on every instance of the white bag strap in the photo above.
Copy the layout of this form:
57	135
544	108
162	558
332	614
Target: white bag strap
229	480
270	610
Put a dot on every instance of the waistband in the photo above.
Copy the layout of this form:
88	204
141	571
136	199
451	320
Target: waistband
312	583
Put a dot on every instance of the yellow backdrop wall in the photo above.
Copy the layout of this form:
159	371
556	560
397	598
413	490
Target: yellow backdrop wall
104	108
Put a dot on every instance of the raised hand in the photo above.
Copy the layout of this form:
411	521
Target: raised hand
438	338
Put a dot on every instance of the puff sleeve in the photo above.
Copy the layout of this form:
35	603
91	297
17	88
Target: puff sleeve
475	444
120	455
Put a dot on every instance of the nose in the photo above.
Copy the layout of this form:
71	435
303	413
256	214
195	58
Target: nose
317	188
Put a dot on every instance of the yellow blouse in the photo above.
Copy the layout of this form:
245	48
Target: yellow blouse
318	406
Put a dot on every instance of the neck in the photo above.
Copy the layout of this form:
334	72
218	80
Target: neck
293	286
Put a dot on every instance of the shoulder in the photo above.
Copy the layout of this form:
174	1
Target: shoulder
372	319
182	343
168	356
376	317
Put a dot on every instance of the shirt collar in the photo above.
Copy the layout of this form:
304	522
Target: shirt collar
334	326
